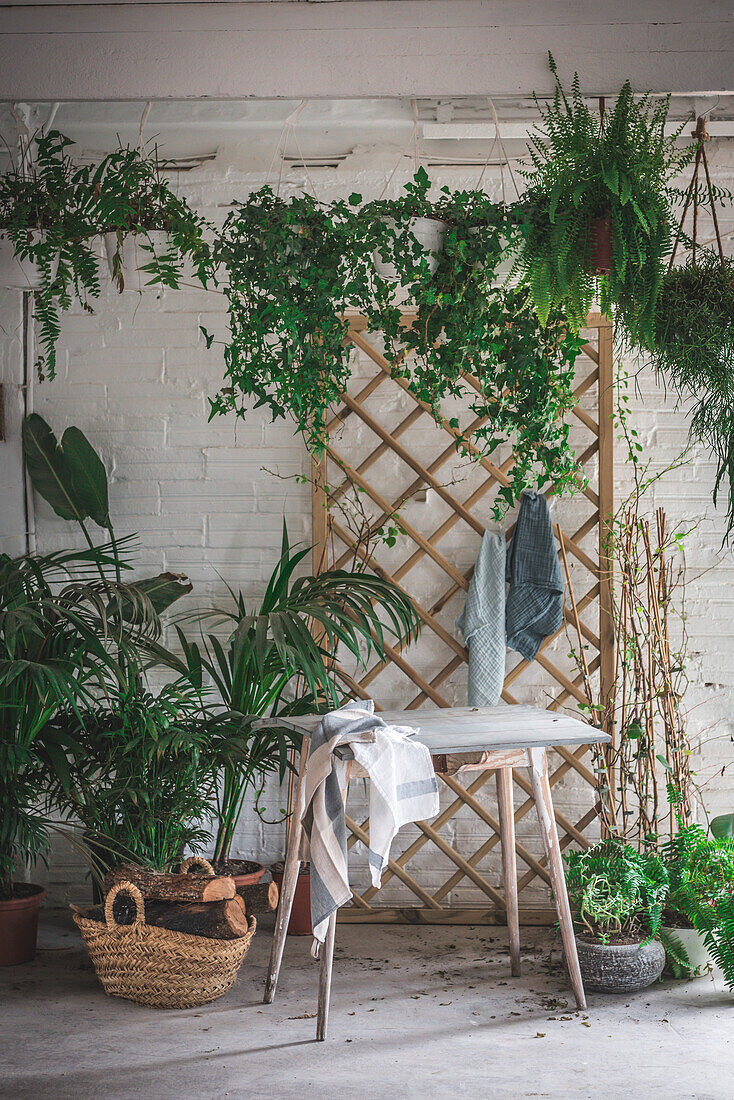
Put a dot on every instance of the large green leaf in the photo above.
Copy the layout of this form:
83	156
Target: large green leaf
49	470
69	475
88	475
162	590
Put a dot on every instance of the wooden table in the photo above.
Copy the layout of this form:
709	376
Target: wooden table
507	737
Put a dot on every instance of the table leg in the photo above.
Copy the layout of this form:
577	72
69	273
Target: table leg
509	863
288	890
326	956
544	805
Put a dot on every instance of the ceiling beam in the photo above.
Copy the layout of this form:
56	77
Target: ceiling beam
83	51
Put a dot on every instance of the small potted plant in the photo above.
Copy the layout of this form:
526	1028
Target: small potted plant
618	895
149	232
701	872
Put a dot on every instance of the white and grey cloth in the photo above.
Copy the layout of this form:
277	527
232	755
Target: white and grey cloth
403	788
482	622
535	595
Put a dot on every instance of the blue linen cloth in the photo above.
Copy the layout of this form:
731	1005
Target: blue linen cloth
482	622
535	595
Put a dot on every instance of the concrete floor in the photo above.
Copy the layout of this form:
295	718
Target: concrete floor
416	1013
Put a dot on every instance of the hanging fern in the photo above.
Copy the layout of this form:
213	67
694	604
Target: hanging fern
583	169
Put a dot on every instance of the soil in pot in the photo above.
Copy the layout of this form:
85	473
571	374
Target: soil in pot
300	919
19	924
245	872
619	967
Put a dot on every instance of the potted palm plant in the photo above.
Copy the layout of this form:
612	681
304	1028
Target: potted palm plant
278	659
618	894
50	657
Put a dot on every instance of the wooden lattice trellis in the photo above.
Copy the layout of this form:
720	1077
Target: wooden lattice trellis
360	444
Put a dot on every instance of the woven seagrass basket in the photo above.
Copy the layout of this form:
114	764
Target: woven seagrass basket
154	966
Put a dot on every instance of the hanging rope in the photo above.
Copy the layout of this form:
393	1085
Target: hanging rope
701	137
289	129
412	140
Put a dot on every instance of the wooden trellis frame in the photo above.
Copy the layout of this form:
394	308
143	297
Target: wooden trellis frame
333	542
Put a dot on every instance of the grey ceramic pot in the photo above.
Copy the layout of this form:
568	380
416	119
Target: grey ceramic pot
620	968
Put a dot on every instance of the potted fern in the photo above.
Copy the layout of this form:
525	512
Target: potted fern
46	235
150	233
700	905
618	894
596	216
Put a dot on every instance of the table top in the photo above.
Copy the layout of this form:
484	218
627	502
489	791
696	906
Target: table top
479	729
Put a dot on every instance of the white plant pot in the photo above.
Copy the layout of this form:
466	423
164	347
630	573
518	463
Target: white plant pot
134	257
21	274
695	948
430	234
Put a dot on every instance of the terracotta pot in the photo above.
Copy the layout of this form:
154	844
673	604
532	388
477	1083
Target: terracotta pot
600	245
251	872
19	926
300	921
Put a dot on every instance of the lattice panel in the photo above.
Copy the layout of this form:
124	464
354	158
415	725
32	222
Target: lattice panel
389	464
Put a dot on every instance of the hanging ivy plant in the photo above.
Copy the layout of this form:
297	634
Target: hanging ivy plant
45	205
293	268
585	171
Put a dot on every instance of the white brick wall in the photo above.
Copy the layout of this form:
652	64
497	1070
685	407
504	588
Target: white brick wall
134	376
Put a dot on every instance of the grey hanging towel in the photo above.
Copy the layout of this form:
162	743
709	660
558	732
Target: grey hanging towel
535	595
482	622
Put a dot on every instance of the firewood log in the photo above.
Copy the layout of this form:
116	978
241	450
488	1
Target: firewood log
181	888
215	920
259	897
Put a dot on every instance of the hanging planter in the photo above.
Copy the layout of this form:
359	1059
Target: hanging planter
26	272
427	233
131	256
693	343
590	175
151	235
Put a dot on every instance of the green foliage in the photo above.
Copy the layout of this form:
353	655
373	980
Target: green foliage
617	890
52	210
582	170
294	267
694	350
51	657
144	773
47	192
279	659
676	956
131	197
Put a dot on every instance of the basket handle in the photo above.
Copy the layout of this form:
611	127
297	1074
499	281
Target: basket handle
124	888
197	861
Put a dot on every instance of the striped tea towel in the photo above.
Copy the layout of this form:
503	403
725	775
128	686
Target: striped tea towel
535	596
403	788
482	622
